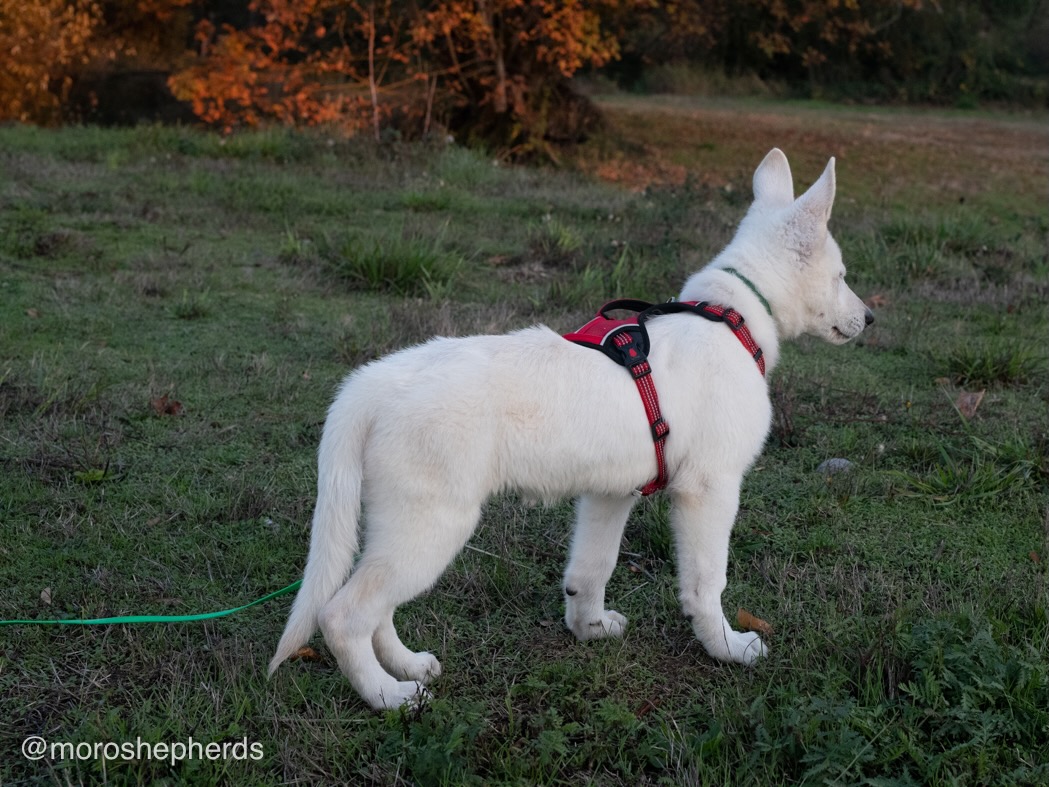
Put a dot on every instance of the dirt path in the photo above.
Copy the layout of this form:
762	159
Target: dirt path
950	155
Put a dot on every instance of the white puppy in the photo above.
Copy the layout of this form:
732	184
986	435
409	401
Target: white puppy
420	439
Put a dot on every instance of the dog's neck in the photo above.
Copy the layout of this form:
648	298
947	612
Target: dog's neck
728	287
752	287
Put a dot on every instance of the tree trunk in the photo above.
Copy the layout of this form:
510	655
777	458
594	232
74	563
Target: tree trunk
497	55
371	70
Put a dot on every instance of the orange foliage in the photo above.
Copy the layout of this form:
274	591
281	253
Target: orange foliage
491	69
44	42
48	44
354	62
307	63
496	45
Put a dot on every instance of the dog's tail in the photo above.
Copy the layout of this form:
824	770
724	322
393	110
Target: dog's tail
334	537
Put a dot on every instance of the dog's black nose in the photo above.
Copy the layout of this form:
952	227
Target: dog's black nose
869	317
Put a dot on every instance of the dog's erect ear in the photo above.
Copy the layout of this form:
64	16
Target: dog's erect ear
773	184
808	224
819	199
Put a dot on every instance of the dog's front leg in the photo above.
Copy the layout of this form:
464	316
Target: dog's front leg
595	548
702	523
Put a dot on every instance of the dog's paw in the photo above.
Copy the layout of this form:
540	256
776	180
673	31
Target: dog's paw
737	647
406	694
747	647
422	667
608	623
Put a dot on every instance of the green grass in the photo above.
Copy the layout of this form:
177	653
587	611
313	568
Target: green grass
401	266
995	362
244	277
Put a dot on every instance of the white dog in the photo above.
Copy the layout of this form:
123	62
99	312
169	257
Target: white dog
420	439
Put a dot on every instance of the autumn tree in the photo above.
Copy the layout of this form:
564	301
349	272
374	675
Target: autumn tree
506	64
53	47
897	49
308	62
809	36
44	43
495	69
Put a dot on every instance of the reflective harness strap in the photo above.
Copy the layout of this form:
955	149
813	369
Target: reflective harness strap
734	320
626	342
641	371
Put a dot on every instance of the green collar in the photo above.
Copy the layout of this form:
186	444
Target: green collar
751	286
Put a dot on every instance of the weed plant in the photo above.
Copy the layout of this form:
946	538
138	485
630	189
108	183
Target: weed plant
995	362
400	266
242	278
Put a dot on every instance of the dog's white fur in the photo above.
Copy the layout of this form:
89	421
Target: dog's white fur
420	440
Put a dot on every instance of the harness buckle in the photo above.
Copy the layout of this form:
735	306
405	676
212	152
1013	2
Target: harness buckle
660	429
632	354
640	368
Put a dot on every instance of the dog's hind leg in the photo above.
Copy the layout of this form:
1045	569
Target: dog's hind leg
407	547
595	547
702	524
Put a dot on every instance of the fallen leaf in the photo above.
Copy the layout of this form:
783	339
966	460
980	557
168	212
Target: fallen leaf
45	596
164	405
748	622
32	314
876	301
646	708
968	402
1034	557
306	653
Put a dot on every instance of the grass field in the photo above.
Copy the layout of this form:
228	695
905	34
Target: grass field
241	279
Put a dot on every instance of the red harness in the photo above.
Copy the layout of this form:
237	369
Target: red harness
626	342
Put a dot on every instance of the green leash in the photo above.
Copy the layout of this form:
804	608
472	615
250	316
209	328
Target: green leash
155	618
